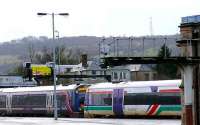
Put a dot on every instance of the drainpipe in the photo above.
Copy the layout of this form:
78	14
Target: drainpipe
188	80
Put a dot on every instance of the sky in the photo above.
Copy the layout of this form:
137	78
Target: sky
93	17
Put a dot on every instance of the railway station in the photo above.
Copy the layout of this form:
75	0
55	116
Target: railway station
122	83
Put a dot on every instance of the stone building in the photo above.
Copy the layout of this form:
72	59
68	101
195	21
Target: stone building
190	47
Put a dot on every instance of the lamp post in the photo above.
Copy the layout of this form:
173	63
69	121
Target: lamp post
54	58
58	51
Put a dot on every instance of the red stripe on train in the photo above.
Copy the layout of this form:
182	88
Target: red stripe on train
170	90
153	109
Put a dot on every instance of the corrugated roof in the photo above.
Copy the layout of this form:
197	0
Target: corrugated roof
190	19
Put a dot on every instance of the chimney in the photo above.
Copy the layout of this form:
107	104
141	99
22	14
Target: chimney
27	70
84	60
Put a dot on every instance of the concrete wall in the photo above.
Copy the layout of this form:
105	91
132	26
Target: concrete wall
143	76
186	32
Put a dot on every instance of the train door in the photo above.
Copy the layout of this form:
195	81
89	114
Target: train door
118	101
48	103
8	103
76	101
51	103
80	98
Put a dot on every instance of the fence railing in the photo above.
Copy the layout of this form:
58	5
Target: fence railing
137	46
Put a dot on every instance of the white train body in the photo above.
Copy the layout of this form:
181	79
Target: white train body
147	98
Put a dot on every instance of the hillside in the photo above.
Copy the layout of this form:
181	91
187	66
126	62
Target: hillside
17	51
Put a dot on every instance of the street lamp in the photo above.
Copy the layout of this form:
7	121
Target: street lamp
54	58
58	51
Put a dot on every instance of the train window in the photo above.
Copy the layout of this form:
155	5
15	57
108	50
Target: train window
152	98
33	100
82	100
100	99
37	100
169	98
61	101
2	101
18	101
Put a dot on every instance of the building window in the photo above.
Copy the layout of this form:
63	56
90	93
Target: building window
124	75
146	76
93	72
115	76
101	72
154	76
1	79
68	69
104	72
121	76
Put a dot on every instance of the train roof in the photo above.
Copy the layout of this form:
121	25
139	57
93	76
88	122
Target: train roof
39	88
175	83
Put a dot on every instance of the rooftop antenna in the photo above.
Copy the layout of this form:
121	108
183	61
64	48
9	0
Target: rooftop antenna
151	26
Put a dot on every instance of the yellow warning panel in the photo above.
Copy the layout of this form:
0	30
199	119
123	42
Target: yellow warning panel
40	70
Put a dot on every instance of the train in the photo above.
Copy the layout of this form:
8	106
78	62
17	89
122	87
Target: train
137	98
38	101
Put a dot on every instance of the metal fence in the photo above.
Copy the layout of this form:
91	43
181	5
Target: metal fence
136	46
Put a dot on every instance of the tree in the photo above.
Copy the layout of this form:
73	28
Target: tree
60	55
18	70
72	58
164	51
166	70
65	56
44	56
31	52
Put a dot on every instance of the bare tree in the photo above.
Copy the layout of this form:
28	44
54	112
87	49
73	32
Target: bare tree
31	52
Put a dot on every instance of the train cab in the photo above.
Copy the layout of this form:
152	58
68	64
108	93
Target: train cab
79	99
